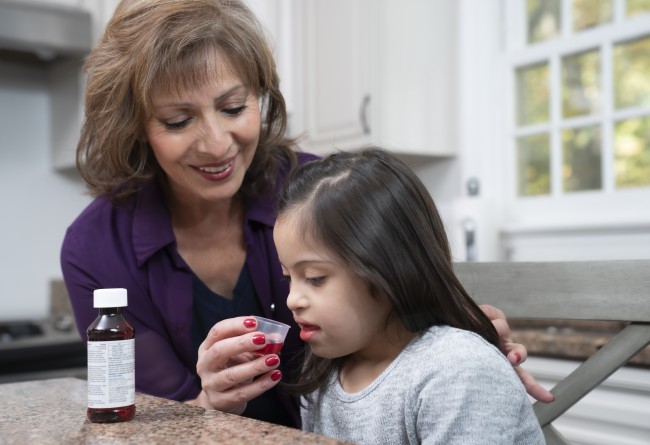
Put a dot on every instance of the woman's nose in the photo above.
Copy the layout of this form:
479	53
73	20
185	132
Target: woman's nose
215	137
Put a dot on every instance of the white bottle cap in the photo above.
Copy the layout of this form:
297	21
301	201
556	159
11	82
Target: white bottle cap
109	297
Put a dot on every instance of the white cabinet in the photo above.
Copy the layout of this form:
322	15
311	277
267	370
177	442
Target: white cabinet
376	72
333	84
276	16
101	11
416	94
52	37
67	85
64	3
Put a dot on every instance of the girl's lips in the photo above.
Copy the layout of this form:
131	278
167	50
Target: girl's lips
308	331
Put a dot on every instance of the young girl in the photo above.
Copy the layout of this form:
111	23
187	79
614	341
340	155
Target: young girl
399	352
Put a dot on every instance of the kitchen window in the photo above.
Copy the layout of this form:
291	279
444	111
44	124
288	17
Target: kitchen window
578	131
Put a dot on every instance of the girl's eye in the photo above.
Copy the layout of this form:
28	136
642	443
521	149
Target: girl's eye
234	111
286	278
315	281
176	125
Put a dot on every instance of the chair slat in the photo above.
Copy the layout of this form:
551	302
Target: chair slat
553	436
594	371
581	290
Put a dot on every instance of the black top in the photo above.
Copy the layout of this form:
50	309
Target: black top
210	308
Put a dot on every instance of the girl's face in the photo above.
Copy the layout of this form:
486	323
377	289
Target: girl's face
336	313
205	139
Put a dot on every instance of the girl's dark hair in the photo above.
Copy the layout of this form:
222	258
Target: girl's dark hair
173	45
372	211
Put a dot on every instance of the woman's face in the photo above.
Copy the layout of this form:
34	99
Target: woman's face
205	139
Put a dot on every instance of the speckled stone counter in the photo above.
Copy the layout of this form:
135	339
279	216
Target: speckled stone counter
570	339
54	412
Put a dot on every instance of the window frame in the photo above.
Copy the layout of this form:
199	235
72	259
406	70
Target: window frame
595	208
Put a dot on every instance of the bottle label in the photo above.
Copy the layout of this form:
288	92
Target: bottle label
111	373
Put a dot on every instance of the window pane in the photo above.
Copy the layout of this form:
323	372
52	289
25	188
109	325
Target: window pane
581	84
543	20
533	165
636	7
590	13
581	167
632	152
631	73
532	94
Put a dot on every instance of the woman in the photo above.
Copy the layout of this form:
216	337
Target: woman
183	148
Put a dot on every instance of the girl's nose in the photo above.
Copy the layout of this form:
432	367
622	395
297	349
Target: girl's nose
294	299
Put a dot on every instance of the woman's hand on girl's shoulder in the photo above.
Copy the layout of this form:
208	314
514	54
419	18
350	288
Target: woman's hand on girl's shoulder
516	354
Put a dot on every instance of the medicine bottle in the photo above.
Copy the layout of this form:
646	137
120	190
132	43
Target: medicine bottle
111	360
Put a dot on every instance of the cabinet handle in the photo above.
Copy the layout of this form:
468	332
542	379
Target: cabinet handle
363	114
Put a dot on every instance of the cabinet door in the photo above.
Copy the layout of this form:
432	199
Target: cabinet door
64	3
416	100
335	51
66	83
276	16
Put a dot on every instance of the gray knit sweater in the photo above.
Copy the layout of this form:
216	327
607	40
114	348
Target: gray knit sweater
448	386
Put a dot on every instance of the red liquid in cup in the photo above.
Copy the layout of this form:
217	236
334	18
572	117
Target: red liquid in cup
270	348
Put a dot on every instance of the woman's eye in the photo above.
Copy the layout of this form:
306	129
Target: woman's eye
176	125
315	281
286	278
234	111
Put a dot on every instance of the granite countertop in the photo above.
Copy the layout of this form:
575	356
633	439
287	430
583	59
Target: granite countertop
54	412
570	339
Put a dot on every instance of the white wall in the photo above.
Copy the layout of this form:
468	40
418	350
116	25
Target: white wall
37	202
477	130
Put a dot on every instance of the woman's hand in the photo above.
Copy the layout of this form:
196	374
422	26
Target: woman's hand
228	368
516	354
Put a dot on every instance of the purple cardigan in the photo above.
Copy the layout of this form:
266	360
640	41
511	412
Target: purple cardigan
133	246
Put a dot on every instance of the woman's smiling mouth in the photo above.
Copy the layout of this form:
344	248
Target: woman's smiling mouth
216	171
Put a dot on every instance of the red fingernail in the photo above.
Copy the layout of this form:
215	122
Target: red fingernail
277	375
258	339
250	323
272	361
517	357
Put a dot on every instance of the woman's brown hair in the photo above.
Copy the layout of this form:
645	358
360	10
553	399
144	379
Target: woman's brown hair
172	45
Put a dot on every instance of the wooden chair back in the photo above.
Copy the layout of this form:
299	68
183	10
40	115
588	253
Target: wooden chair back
582	290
